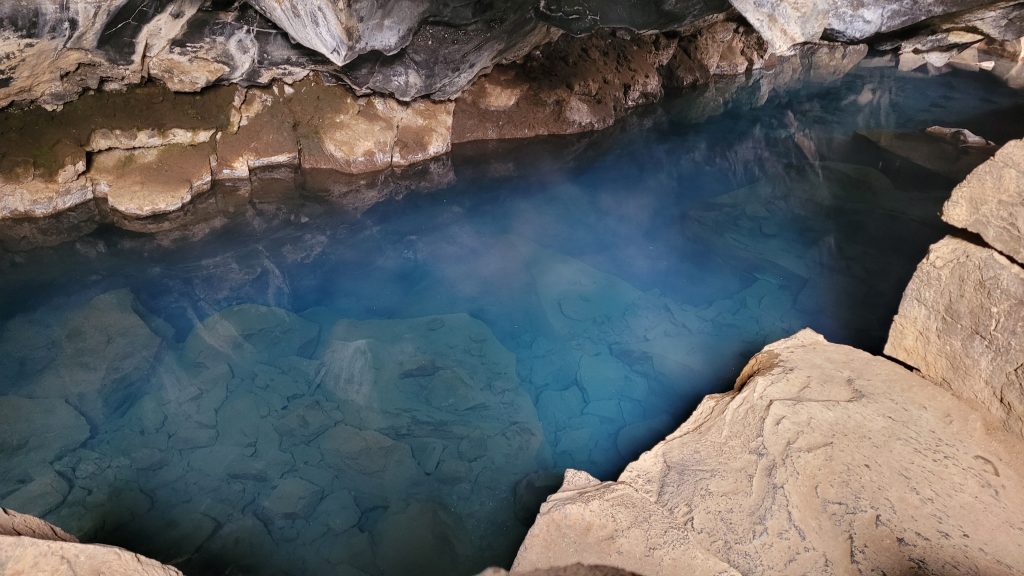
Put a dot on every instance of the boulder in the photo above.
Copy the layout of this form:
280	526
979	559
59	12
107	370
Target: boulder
21	555
16	524
961	323
818	462
939	156
990	202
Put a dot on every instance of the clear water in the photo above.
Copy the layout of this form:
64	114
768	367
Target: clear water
292	388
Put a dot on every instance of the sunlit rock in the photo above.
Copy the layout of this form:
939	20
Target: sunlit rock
961	325
819	444
990	202
785	24
356	135
20	555
74	45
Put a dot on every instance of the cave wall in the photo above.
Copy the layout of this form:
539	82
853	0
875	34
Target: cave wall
52	50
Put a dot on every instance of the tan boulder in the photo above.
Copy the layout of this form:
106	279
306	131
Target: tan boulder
23	556
823	460
16	524
990	202
961	323
30	547
572	570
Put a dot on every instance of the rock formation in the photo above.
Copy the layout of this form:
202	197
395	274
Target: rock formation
30	546
990	202
961	322
820	461
508	67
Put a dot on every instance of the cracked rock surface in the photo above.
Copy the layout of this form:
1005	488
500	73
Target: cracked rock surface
990	202
824	460
961	323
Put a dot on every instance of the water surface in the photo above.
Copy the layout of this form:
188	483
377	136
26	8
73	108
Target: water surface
294	387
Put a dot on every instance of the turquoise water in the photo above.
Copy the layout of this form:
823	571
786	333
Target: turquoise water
289	386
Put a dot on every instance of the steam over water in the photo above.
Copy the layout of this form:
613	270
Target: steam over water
288	385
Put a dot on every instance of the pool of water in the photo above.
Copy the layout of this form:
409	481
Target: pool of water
294	387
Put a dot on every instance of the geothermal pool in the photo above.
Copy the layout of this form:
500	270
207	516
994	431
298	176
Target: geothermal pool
295	386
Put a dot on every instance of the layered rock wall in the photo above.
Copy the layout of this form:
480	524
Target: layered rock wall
50	51
150	151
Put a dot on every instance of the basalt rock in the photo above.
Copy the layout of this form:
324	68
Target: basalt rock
817	462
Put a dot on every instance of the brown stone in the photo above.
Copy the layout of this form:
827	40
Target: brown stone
990	202
148	181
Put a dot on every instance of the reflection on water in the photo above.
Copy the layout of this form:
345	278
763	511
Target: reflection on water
285	387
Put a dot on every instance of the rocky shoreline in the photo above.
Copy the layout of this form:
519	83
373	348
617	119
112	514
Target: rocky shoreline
823	459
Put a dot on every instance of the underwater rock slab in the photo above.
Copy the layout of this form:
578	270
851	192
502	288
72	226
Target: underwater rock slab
37	431
961	323
819	463
990	202
104	350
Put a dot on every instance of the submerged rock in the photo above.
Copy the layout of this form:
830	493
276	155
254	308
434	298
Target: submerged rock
149	181
816	463
961	323
940	156
20	555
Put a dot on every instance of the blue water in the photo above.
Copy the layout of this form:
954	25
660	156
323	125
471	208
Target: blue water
283	384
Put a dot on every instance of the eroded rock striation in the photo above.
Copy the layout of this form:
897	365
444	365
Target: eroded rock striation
819	462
